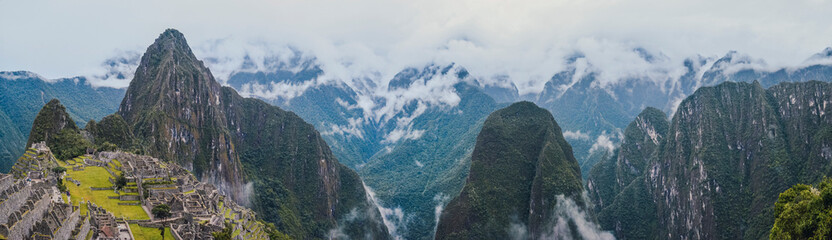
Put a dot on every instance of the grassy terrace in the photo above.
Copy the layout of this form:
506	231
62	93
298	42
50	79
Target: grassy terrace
99	177
140	232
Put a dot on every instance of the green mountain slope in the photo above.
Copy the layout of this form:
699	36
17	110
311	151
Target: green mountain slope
520	163
728	153
262	155
22	94
629	160
419	175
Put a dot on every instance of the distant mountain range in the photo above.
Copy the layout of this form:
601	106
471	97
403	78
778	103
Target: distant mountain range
410	140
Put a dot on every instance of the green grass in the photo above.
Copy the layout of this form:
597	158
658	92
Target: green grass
146	233
98	177
84	208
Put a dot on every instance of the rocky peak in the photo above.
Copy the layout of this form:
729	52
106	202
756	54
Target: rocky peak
173	104
51	119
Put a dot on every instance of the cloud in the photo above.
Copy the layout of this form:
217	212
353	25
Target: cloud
354	128
576	135
567	211
602	143
441	200
525	40
393	218
275	90
567	214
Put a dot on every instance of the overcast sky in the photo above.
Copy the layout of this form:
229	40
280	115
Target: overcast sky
526	40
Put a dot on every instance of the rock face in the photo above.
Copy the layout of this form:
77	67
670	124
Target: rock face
729	152
174	105
180	113
613	174
51	119
519	166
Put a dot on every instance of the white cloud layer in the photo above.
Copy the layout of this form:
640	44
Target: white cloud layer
526	40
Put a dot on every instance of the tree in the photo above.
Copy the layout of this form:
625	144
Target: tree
161	211
225	234
68	144
804	212
58	170
121	181
107	147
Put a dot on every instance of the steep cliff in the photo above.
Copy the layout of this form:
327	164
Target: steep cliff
520	165
174	107
629	160
263	155
729	152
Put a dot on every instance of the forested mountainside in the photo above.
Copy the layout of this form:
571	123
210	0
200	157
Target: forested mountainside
727	154
592	116
22	94
411	174
177	111
521	169
585	101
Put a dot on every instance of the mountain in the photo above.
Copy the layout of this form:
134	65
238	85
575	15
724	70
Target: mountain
587	100
727	154
111	129
415	157
420	175
520	165
54	127
330	107
630	159
426	166
179	112
22	94
174	105
50	121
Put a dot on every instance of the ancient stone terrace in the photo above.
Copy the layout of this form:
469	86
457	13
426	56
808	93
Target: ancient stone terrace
31	206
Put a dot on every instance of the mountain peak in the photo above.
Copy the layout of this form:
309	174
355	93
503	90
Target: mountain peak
171	39
51	119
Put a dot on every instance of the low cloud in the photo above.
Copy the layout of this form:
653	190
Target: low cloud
603	143
566	215
576	135
567	211
353	129
441	200
394	218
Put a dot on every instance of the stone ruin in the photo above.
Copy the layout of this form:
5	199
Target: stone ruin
32	208
29	208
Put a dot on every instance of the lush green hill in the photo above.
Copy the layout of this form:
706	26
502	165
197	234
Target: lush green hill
728	153
22	94
111	129
54	126
258	153
520	164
